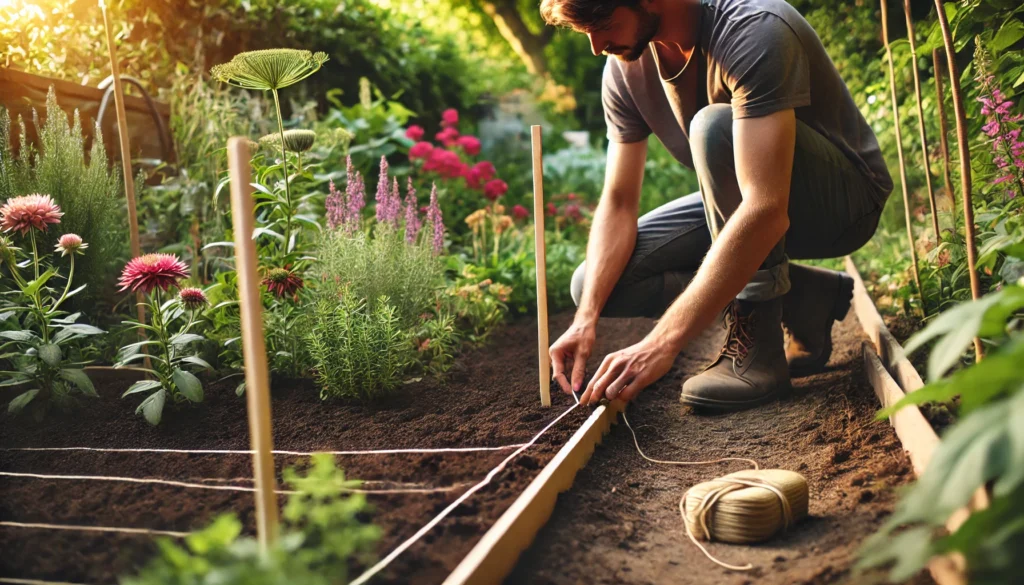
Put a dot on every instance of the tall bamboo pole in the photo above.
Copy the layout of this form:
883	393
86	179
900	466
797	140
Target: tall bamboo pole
965	162
943	133
257	387
899	151
544	362
126	164
920	119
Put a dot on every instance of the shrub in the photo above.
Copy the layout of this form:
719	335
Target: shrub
41	334
85	188
321	535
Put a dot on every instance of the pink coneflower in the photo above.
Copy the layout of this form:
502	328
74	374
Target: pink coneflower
412	219
470	144
520	212
436	221
193	298
151	271
414	132
449	117
70	244
20	214
420	150
494	189
283	282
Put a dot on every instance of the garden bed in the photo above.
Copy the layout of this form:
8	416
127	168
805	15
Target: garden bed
620	523
490	400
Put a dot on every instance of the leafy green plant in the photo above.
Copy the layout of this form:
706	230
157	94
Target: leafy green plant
40	342
982	450
321	536
171	326
86	189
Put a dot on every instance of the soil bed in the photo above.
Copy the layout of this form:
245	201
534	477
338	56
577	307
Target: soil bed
491	399
620	523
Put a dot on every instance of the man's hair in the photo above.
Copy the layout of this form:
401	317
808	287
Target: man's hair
581	15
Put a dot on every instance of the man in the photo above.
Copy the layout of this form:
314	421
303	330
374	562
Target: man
742	92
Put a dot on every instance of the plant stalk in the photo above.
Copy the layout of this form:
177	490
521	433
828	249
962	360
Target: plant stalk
284	163
920	119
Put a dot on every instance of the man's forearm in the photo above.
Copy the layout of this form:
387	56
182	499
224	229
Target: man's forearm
732	261
612	239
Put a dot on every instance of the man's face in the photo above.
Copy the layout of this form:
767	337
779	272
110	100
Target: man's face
627	33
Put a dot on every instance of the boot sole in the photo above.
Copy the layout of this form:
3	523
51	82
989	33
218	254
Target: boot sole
710	404
840	308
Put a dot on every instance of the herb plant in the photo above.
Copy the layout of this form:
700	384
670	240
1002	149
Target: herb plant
40	343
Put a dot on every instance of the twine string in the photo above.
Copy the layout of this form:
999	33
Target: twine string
277	452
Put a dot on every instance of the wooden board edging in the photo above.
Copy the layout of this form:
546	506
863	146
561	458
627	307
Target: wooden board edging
494	556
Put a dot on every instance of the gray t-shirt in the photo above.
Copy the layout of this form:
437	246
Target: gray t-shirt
760	56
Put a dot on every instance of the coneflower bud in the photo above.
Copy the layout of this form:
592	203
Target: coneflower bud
193	298
70	244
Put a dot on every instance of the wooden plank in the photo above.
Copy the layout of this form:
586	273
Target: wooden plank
496	554
540	245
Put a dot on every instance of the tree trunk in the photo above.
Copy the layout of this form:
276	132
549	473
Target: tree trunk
529	46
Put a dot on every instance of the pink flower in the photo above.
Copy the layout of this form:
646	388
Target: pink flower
283	282
70	244
192	298
150	271
572	197
484	170
414	132
470	144
572	211
412	219
335	206
550	209
520	212
448	137
494	189
421	150
436	221
27	212
385	211
449	117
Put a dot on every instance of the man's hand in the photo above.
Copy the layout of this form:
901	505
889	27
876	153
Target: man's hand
625	373
575	344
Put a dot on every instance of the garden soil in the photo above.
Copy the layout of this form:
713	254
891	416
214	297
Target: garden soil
619	524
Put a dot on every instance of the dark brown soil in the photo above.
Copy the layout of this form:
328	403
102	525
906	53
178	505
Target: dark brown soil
620	523
491	399
940	415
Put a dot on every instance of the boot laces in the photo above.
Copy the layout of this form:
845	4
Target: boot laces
740	340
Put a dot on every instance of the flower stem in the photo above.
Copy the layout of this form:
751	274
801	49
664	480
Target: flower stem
284	163
35	253
67	287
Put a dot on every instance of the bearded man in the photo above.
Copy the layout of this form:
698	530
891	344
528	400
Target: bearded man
743	93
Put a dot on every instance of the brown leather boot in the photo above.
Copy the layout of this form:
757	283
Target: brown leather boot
816	299
751	369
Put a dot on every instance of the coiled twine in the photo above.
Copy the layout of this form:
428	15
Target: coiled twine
745	506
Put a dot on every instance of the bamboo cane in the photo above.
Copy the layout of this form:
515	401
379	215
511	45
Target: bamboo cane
257	387
965	162
943	133
920	120
899	152
126	165
542	285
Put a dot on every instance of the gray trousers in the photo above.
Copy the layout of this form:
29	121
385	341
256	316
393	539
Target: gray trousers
833	210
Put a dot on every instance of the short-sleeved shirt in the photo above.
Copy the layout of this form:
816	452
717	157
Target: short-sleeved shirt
760	56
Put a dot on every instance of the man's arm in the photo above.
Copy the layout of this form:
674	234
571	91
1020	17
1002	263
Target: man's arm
763	150
612	239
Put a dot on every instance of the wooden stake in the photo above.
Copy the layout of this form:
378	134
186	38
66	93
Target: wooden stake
920	119
257	387
126	162
965	162
542	278
943	133
899	154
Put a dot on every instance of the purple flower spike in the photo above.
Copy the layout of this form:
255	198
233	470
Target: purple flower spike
383	193
356	201
335	205
412	218
435	220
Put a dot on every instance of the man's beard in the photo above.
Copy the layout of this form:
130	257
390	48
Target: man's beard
648	28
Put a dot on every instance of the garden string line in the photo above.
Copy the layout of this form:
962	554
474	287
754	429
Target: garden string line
34	582
228	488
743	518
427	450
444	513
83	528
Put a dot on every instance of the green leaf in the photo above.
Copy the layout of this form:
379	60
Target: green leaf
21	401
19	335
240	389
192	359
185	338
188	384
75	291
83	329
14	381
50	354
81	379
1011	32
957	326
33	286
141	386
153	407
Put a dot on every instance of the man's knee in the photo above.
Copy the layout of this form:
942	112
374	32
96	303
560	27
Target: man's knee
576	284
711	133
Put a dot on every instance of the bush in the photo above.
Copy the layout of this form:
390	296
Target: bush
85	188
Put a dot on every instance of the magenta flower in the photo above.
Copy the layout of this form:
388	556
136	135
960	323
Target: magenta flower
448	137
21	214
494	189
449	117
192	298
414	132
355	193
383	197
282	282
520	212
70	244
151	271
436	221
420	150
1002	127
394	204
470	144
572	211
412	218
335	206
